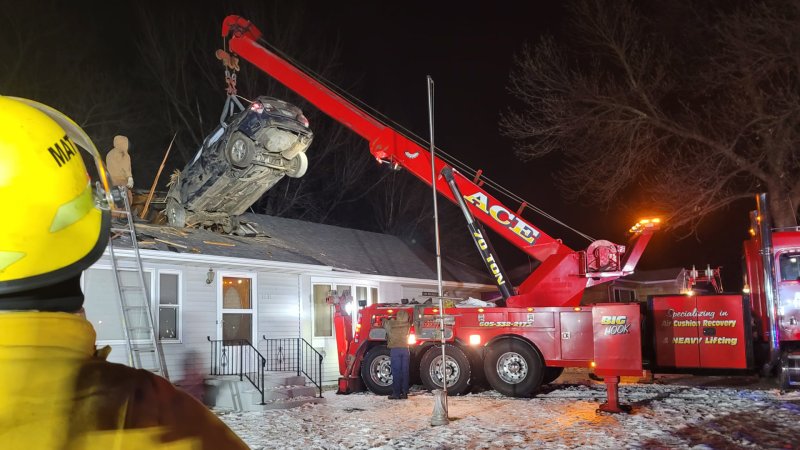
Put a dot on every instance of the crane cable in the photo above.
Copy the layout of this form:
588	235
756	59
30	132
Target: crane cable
449	159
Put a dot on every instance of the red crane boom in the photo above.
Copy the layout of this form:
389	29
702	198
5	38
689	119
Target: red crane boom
563	274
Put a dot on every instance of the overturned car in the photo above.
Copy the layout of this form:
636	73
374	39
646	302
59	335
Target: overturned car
238	163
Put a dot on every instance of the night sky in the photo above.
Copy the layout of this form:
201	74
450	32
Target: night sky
386	51
469	53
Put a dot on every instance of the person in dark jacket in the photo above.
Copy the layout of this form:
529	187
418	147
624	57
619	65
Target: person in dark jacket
56	390
397	331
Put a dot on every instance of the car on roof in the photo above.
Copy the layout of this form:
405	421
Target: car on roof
237	163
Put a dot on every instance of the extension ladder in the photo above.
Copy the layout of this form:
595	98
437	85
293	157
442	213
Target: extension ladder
141	337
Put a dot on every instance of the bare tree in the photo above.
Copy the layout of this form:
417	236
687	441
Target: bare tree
44	59
690	112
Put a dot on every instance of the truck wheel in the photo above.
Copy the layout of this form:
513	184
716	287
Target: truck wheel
457	369
551	374
298	166
513	368
240	150
376	370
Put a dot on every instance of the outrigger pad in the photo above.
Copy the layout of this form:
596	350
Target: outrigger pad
349	385
612	404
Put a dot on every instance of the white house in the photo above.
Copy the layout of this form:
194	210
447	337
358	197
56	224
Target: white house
205	285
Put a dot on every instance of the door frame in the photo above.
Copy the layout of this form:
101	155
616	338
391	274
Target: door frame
253	302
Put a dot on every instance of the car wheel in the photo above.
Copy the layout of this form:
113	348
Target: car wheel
457	369
376	370
297	166
175	212
240	150
513	368
551	374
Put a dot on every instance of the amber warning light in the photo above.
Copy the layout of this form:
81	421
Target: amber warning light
651	224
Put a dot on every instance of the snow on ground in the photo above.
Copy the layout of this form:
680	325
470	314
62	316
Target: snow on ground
563	415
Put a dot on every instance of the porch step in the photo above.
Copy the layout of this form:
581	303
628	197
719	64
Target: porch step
288	392
291	403
229	393
272	380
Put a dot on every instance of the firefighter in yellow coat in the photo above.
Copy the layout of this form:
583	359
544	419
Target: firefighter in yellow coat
55	391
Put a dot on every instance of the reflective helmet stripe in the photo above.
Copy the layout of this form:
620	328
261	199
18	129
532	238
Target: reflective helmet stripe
9	258
74	210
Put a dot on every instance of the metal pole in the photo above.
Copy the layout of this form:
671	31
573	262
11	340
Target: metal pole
440	420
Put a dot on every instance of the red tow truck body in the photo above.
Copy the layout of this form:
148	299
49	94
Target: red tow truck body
756	331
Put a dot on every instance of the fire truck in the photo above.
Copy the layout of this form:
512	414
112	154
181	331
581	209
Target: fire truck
539	327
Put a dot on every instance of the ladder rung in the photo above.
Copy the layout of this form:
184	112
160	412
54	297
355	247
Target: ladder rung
128	308
144	350
132	288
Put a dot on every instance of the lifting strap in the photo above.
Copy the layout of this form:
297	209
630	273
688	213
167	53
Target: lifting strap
231	64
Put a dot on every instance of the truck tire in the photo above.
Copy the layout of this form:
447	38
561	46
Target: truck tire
551	374
458	369
376	370
513	368
240	150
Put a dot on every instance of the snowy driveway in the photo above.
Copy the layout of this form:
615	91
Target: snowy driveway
563	416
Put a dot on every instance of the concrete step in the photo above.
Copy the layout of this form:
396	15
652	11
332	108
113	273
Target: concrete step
283	379
229	393
290	403
288	392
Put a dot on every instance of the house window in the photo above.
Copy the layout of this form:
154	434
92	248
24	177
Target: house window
374	292
361	294
169	306
351	293
790	266
323	312
624	295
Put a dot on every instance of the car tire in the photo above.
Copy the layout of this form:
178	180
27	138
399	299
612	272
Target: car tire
458	365
298	166
376	370
240	150
513	368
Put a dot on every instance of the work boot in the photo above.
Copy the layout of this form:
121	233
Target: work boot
395	397
403	396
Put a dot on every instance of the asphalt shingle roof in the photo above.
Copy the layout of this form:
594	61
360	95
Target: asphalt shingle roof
296	241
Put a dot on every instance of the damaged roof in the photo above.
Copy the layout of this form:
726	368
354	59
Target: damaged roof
296	241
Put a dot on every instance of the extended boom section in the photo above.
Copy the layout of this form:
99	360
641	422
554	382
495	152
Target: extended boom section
564	273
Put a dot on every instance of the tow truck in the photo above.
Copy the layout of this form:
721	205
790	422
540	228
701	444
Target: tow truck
539	327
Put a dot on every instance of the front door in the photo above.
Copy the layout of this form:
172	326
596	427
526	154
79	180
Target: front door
236	319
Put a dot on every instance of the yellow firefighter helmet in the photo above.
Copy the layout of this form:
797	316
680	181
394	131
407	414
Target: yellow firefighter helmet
55	218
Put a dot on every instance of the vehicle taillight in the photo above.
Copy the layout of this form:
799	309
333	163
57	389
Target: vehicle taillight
257	107
302	119
412	336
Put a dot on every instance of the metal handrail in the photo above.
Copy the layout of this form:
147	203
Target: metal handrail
238	357
296	355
